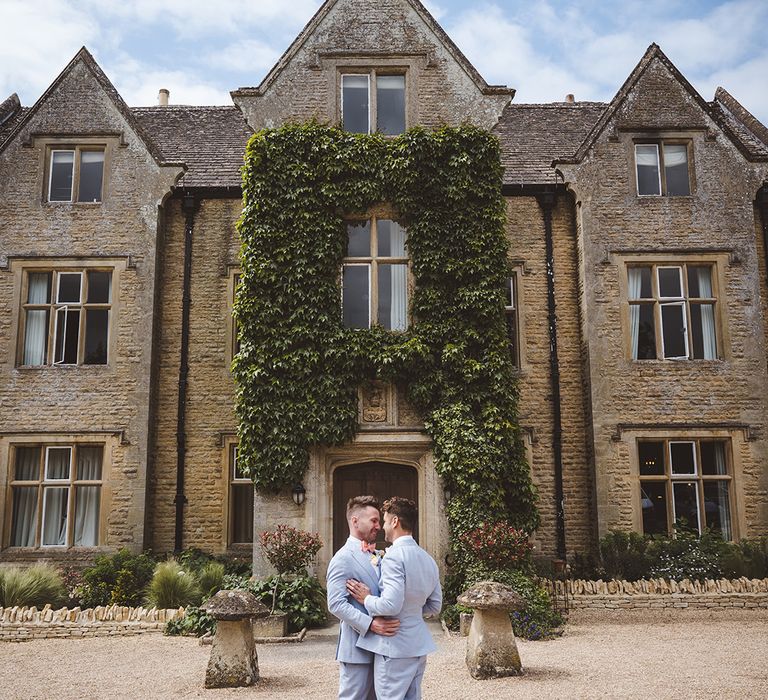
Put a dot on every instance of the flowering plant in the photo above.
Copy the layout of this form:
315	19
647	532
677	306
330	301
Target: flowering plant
497	545
289	549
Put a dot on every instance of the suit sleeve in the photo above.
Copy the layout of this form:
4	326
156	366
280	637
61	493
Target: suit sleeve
338	598
434	603
392	586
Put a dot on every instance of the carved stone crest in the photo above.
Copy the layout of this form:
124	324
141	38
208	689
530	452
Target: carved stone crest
375	403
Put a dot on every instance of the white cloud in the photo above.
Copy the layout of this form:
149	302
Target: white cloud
138	84
503	53
39	39
203	17
251	55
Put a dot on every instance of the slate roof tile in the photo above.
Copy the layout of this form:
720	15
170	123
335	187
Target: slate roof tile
533	135
210	140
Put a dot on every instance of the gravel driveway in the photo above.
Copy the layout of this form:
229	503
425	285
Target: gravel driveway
691	654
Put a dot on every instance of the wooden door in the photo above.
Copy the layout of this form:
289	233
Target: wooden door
379	479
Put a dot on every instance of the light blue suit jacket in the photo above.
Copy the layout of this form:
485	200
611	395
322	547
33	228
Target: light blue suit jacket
351	562
410	589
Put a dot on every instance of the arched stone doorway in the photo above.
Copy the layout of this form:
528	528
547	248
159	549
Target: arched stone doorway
380	479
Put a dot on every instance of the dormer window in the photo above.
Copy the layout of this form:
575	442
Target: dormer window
75	175
662	169
372	102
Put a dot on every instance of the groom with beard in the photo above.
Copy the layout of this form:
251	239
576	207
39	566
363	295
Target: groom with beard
409	589
357	559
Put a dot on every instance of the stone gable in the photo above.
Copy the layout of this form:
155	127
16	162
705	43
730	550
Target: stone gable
442	86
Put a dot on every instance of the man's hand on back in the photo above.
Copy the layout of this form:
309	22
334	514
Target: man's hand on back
358	590
385	626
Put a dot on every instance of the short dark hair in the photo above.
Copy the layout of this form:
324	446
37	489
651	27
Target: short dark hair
405	509
357	503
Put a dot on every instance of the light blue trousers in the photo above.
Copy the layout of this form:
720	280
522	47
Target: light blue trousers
398	679
356	681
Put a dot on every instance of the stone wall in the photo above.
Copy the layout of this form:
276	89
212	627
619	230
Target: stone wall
101	404
660	593
20	624
525	231
722	398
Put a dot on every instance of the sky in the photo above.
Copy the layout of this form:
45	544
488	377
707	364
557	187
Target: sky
202	49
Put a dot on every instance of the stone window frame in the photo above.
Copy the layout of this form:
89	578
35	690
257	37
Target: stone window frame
231	481
79	143
373	74
669	479
718	261
373	215
48	440
338	64
625	480
660	140
22	267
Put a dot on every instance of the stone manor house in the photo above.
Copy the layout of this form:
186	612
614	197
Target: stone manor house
637	305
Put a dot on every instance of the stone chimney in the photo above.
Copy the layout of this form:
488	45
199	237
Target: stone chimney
162	97
569	98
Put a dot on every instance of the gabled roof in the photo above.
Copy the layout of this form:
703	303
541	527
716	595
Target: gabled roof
747	127
209	140
653	54
11	112
84	56
533	135
425	15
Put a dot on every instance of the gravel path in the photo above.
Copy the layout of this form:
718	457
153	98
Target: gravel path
666	654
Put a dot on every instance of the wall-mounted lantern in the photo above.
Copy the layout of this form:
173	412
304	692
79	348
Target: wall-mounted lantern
299	493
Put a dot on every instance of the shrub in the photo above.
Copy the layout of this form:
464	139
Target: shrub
585	566
288	549
687	555
498	546
194	623
119	579
172	587
302	597
538	620
747	558
624	555
72	578
210	578
36	586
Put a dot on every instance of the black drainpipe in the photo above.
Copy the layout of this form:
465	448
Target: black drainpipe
762	205
188	206
546	201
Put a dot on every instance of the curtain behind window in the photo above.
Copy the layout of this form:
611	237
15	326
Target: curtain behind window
634	280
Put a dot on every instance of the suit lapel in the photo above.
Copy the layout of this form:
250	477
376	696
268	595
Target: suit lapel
363	563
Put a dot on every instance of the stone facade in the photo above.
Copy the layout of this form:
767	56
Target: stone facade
574	227
84	404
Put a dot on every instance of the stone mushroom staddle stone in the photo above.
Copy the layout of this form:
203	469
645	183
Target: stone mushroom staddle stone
491	647
233	660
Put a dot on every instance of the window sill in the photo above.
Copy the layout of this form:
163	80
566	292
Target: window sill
31	368
664	197
72	204
670	362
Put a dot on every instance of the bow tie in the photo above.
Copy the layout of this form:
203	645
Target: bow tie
366	547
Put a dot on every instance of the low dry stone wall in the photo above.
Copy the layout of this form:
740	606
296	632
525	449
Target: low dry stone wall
661	593
22	624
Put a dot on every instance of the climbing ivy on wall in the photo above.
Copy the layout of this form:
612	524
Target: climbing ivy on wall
298	368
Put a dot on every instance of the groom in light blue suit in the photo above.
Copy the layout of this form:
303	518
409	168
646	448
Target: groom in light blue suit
358	559
409	590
